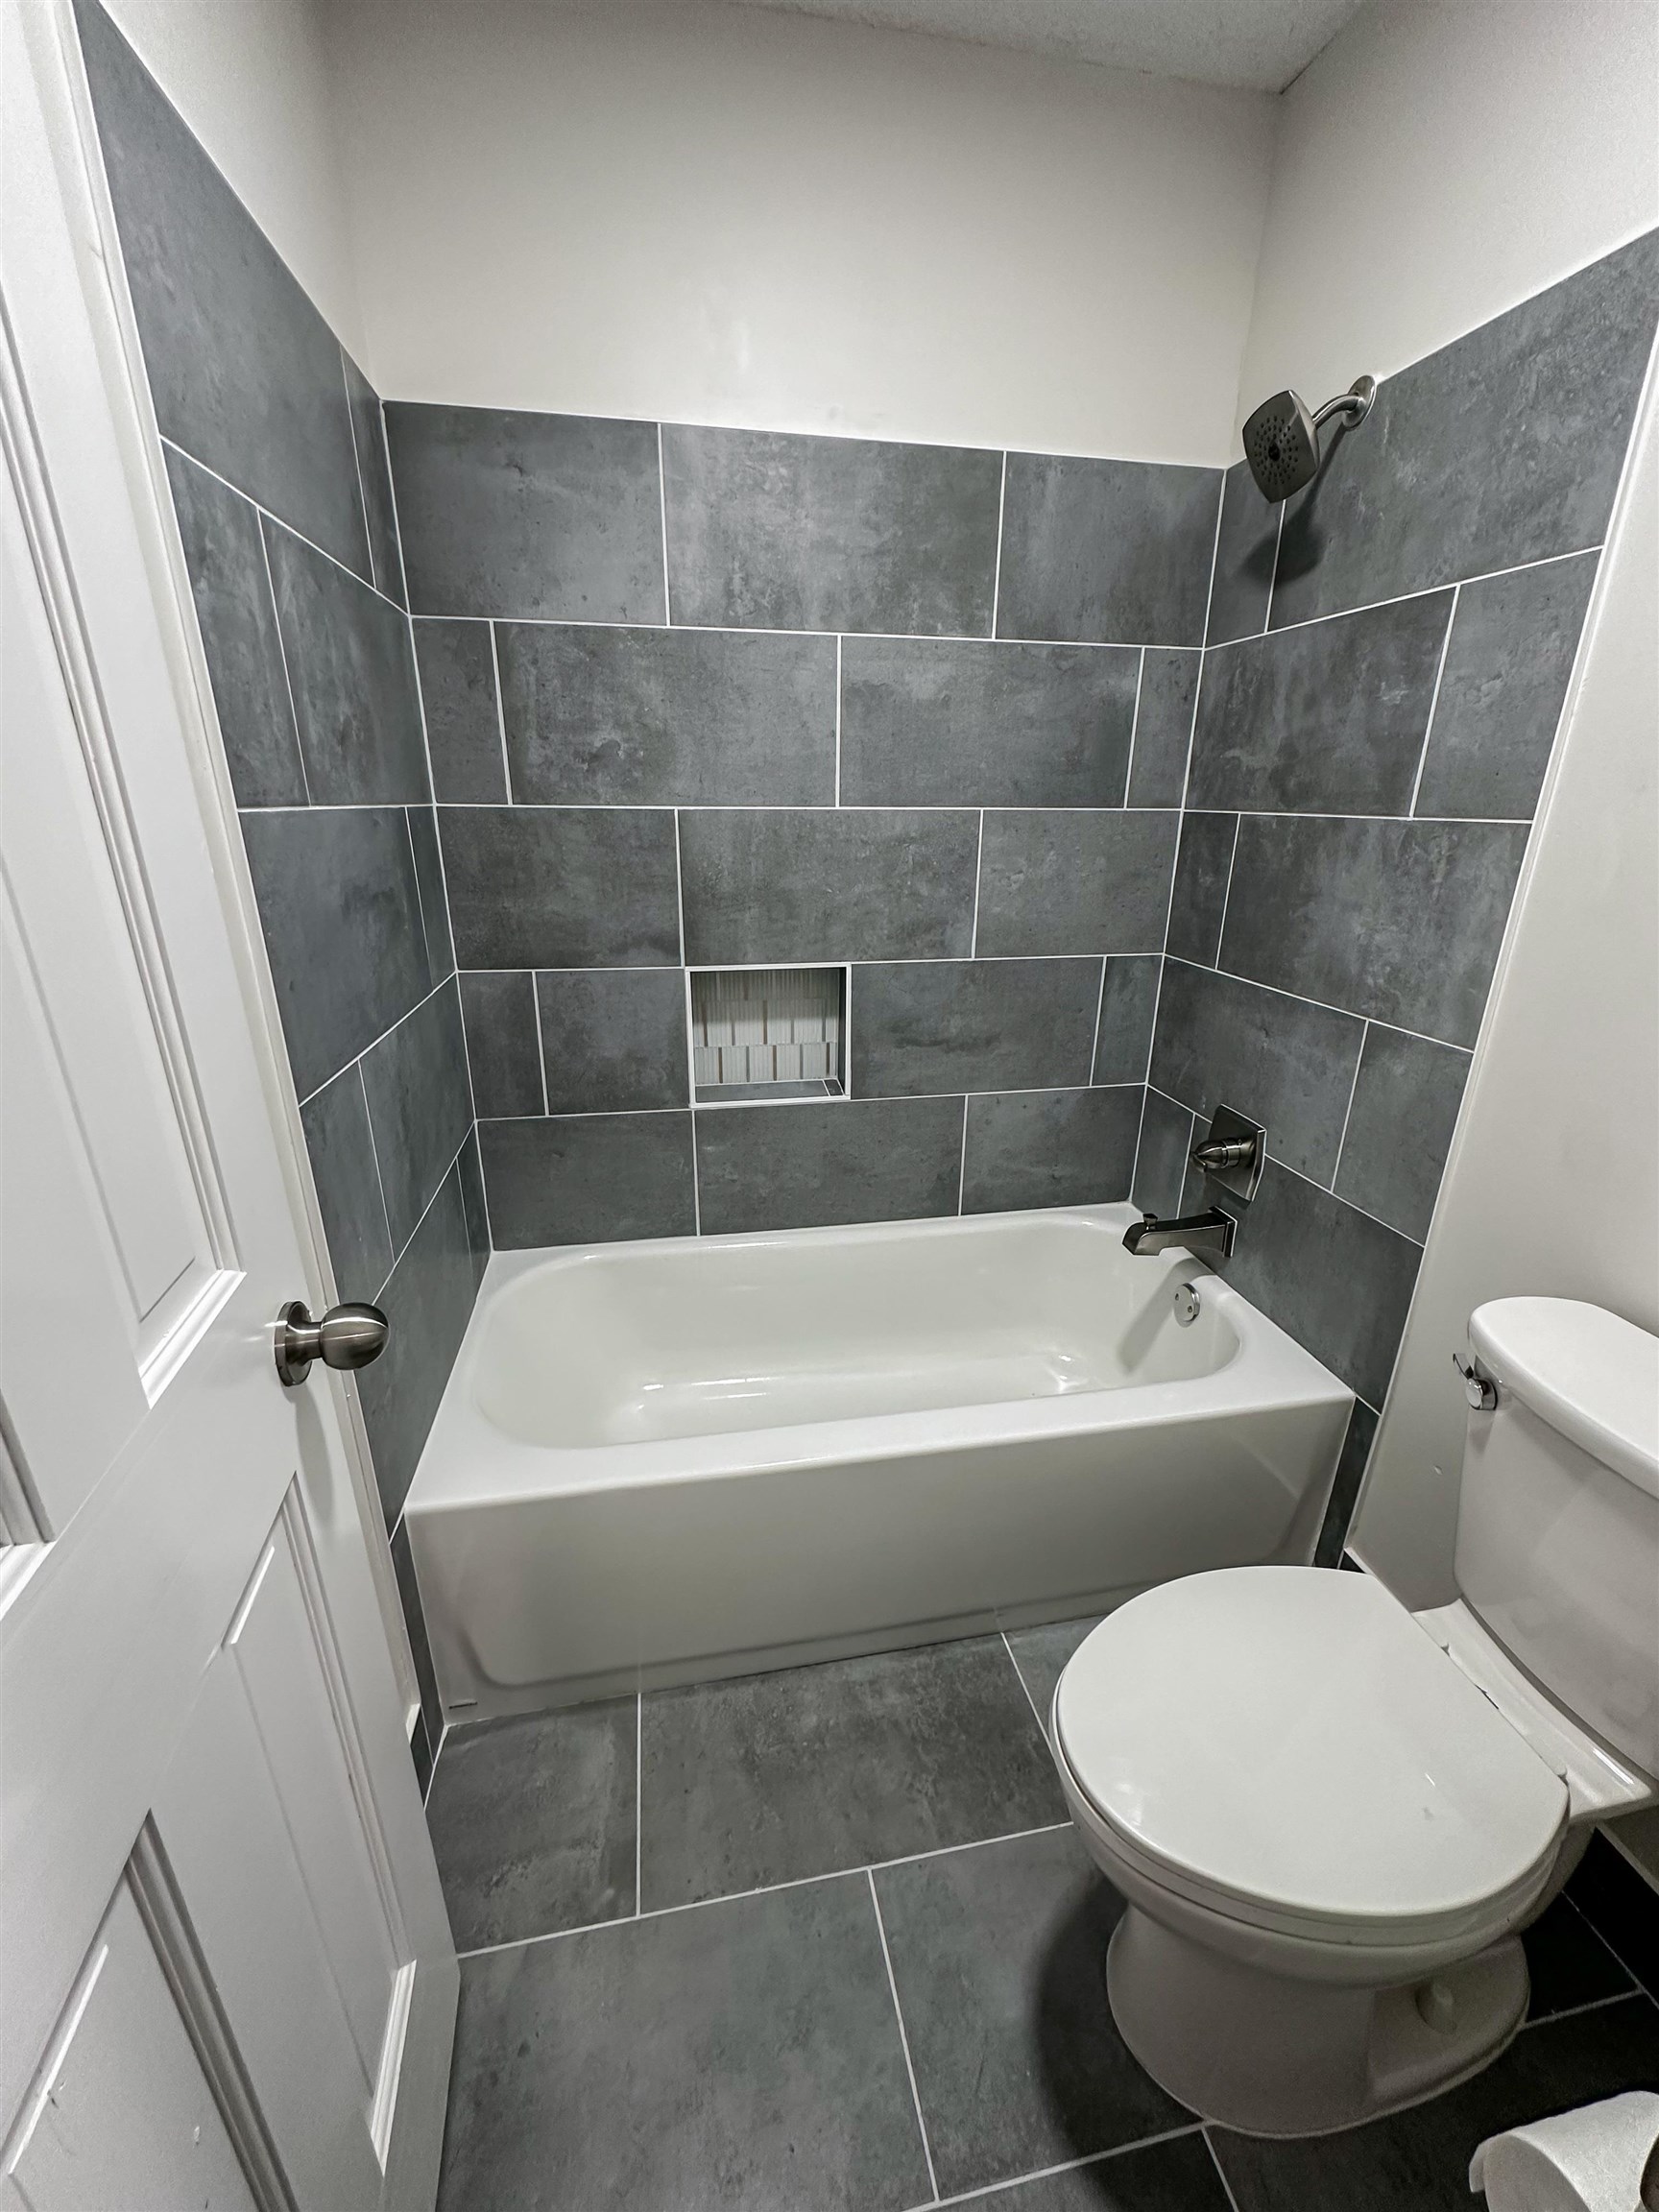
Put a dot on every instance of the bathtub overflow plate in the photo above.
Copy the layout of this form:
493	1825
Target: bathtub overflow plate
1186	1304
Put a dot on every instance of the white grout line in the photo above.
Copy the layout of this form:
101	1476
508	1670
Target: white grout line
1024	1685
679	891
1300	998
1348	1115
696	1194
540	1053
1220	2170
437	1193
765	1889
500	716
978	865
1134	724
1070	2166
1226	895
820	1099
863	806
837	718
638	1807
903	2038
357	462
407	1016
1099	1010
333	559
1433	703
379	1179
1595	2004
997	577
962	1158
287	678
663	513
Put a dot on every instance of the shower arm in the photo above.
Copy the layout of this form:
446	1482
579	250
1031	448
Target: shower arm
1354	403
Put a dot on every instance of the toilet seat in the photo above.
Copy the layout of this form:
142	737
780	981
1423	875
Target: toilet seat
1285	1748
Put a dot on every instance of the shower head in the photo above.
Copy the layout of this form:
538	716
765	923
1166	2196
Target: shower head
1282	438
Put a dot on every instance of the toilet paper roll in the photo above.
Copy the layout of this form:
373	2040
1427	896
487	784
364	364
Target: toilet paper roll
1590	2160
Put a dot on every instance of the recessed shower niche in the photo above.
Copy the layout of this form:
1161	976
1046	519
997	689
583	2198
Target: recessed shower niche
767	1033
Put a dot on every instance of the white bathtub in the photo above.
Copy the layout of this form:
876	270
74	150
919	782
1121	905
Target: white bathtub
659	1462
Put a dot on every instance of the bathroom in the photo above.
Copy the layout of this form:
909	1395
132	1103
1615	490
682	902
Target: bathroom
880	777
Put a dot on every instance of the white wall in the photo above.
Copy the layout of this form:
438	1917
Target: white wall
250	77
725	215
1552	1186
1438	163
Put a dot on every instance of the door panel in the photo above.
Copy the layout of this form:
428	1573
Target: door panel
228	1975
123	2110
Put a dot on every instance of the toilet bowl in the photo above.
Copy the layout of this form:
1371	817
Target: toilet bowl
1330	1816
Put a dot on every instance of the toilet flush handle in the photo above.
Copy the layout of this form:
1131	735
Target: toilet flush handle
1479	1389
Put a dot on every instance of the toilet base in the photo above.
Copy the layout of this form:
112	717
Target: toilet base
1272	2056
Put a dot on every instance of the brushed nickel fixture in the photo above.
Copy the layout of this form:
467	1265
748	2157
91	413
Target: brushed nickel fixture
1282	438
346	1337
1233	1152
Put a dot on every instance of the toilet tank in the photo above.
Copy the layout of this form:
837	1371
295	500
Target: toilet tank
1558	1510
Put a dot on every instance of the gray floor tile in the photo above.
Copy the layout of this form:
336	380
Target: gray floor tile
532	1820
1000	1960
1418	2160
1041	1655
744	2056
1178	2176
815	1769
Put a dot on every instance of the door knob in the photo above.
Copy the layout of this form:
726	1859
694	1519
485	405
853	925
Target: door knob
346	1337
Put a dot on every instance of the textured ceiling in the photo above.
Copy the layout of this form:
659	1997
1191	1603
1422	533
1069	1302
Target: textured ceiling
1260	43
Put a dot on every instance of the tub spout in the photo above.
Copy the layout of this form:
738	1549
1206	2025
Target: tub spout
1210	1233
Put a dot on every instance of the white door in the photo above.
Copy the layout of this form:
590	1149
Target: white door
226	1975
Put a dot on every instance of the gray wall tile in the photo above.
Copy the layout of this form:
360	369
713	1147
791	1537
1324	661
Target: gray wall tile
1345	1485
589	1179
782	886
808	1166
1075	882
375	473
1244	554
1329	718
1163	727
462	721
944	722
1049	1149
323	879
940	1026
1502	448
1111	550
1504	683
245	374
434	895
351	669
1400	920
342	1150
1128	1000
535	517
1167	1137
428	1303
474	1210
1203	870
1400	1129
773	532
500	1010
1282	1062
667	718
228	582
554	887
612	1040
1338	1280
420	1106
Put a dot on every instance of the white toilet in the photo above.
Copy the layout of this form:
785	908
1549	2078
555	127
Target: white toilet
1330	1815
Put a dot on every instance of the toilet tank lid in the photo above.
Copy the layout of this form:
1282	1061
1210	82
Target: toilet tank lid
1588	1373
